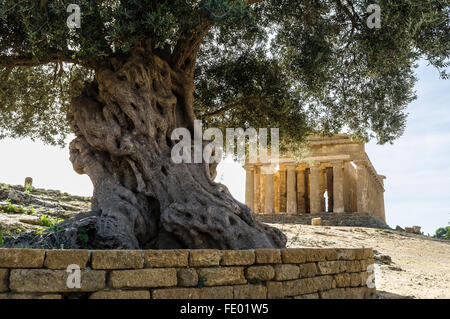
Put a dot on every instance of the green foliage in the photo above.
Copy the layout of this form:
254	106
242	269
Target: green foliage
2	241
82	235
303	66
32	210
11	209
201	281
443	233
4	187
49	222
28	188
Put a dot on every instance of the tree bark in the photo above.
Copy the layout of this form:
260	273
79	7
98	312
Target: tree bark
123	123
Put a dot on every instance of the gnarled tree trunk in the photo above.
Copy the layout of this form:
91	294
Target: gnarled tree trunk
123	121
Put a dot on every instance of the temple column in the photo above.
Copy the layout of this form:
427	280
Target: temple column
322	186
257	190
362	181
301	190
338	187
291	198
314	200
269	204
249	186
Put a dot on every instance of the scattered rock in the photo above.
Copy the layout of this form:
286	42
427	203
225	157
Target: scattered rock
382	258
413	230
398	228
326	223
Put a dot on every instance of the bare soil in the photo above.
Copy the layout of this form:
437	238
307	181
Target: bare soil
420	266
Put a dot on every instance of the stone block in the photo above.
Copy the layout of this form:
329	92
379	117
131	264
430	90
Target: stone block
338	293
4	275
331	267
250	292
346	254
316	254
49	280
177	293
21	258
118	294
222	276
187	277
268	256
225	292
143	278
308	296
316	221
117	259
275	290
260	273
286	272
355	279
166	258
293	256
307	270
60	259
352	266
238	257
342	280
204	257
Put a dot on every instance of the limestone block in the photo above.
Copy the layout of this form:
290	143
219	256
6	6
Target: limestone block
317	254
261	273
275	290
4	275
307	270
204	257
322	282
355	279
48	280
293	256
166	258
346	254
308	296
286	272
222	276
338	293
238	257
176	293
331	267
60	259
118	294
21	258
268	256
117	259
143	278
225	292
187	277
316	221
250	292
342	280
352	266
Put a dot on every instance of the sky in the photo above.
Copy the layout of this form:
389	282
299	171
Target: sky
417	165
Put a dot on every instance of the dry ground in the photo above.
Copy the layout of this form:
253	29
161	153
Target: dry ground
420	265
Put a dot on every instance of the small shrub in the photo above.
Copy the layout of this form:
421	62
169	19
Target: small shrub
201	281
1	238
4	187
11	209
82	236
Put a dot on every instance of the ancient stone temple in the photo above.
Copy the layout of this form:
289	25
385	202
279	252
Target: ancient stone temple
336	176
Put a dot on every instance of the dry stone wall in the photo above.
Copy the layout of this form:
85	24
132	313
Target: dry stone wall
188	274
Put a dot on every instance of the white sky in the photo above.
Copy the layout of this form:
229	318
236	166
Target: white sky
417	166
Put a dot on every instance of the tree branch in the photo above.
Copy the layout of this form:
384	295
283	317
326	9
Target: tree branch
29	61
221	111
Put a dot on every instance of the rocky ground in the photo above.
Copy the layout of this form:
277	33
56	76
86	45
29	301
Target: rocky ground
23	210
407	265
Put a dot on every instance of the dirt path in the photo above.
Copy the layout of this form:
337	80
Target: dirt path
420	265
